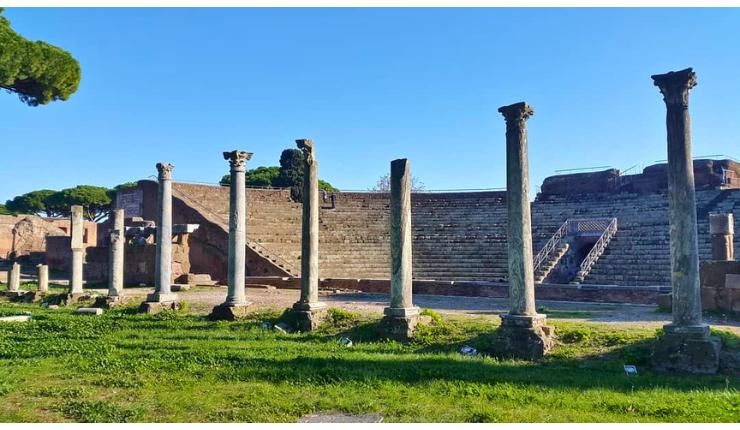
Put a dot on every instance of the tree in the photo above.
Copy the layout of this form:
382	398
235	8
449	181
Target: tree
30	203
325	186
384	184
95	200
37	71
4	210
260	177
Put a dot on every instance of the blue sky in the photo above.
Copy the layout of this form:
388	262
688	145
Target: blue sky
369	86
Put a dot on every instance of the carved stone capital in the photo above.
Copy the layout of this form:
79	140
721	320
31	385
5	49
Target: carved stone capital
516	113
306	145
675	86
165	171
237	159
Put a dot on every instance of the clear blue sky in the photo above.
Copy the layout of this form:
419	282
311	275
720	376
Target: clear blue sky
369	86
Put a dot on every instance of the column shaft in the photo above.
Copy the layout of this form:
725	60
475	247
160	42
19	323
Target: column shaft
519	226
77	230
14	277
163	261
237	228
401	246
310	229
115	265
43	278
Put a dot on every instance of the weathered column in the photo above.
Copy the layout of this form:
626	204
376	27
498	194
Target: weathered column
722	232
686	345
43	278
77	233
402	316
308	311
116	250
236	303
523	332
163	297
14	278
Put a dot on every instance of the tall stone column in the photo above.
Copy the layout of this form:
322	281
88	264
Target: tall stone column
308	311
163	297
236	304
77	232
116	250
686	345
524	333
401	316
43	278
722	232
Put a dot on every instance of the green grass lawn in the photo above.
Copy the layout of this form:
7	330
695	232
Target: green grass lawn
125	367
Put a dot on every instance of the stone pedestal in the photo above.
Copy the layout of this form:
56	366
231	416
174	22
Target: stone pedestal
14	278
163	297
687	349
722	232
116	250
686	345
399	323
109	302
308	316
236	304
525	337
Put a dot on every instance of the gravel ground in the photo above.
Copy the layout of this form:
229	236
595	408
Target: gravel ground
202	299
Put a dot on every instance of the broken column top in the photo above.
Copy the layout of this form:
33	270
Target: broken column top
165	170
675	85
399	166
721	224
517	111
237	158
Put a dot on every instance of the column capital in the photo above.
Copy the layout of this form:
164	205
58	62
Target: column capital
306	145
237	159
516	112
675	86
165	171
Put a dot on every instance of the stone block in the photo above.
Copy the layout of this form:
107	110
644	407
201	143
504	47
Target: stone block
521	339
109	302
180	287
74	298
229	312
399	323
732	281
200	279
665	300
708	298
684	350
721	224
89	311
305	317
16	318
156	307
729	362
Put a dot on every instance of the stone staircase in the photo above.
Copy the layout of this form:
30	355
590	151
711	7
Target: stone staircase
546	267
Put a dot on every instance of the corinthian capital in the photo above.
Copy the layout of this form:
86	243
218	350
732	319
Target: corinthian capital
306	145
518	112
675	86
237	159
165	171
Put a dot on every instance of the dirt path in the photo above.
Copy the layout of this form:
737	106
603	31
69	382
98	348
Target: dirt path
202	299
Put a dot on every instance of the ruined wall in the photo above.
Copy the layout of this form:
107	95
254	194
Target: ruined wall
26	235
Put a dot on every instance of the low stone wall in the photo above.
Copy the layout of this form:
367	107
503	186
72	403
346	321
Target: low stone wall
716	292
576	293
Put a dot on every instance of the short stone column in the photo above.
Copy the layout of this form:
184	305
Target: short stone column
686	345
722	232
42	271
401	316
117	236
77	233
236	304
163	297
523	333
14	278
308	312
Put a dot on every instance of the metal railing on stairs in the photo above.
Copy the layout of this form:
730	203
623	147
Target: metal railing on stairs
597	250
550	246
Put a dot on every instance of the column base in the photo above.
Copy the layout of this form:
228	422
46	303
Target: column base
399	323
307	316
524	337
686	349
230	312
22	296
162	298
74	298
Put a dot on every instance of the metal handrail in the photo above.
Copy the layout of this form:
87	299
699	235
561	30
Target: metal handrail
551	245
597	250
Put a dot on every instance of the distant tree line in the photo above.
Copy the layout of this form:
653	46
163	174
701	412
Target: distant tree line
97	201
288	175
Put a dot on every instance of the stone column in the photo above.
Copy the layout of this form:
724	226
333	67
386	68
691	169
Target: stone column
43	278
77	233
236	303
686	346
308	311
402	316
163	297
722	231
14	278
524	333
115	260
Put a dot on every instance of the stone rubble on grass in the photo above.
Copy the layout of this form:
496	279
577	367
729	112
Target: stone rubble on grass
281	327
341	418
90	311
16	318
468	351
345	341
